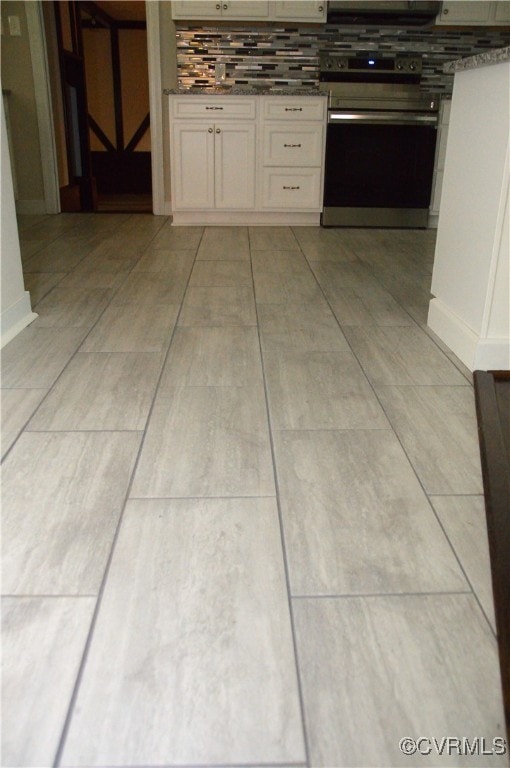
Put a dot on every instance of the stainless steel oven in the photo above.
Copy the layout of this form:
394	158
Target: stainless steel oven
380	144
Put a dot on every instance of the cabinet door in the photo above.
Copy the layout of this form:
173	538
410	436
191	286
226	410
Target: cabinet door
502	12
234	165
192	166
465	12
245	9
196	9
290	10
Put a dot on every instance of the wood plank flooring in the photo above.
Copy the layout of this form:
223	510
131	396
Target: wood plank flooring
243	518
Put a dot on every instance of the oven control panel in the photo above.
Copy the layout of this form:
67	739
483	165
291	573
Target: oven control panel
370	67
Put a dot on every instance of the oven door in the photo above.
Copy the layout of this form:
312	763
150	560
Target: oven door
379	168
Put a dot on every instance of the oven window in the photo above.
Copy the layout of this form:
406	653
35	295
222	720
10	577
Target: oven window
379	166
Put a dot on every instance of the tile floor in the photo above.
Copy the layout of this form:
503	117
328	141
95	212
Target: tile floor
243	517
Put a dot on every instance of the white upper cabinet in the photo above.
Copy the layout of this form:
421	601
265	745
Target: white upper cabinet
250	10
474	12
299	10
222	11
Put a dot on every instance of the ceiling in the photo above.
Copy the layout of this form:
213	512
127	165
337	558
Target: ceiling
123	10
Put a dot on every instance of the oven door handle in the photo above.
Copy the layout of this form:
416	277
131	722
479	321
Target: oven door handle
376	118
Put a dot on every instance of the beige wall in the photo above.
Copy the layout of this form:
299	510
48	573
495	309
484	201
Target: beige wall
17	77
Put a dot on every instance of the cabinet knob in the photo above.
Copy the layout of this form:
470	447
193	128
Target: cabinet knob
321	8
445	11
218	130
225	7
209	130
218	7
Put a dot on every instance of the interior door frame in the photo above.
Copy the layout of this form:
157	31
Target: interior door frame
40	67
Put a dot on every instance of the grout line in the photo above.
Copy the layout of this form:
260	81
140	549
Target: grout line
363	595
88	642
79	348
411	464
282	536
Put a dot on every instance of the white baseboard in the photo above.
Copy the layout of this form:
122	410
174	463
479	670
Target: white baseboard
245	218
30	207
17	317
475	352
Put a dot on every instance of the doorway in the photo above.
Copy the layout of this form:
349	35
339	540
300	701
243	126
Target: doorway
105	86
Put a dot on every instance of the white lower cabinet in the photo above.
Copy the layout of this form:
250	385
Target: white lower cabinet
244	159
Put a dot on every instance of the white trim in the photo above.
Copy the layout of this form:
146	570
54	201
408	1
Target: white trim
17	317
245	218
156	107
40	71
475	352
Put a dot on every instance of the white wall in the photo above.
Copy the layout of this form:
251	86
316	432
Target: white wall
16	311
471	310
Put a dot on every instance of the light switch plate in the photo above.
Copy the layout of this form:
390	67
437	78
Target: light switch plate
14	26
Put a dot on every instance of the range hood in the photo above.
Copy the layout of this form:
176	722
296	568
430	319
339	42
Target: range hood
415	13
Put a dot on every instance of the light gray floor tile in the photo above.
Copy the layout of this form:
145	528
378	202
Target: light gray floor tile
334	278
272	238
355	518
280	264
293	288
38	355
62	255
368	307
308	327
464	520
376	670
42	645
205	679
318	390
72	307
178	263
221	273
62	497
206	441
17	405
102	390
151	288
38	284
111	257
133	328
204	357
218	306
93	279
177	238
437	427
224	243
400	355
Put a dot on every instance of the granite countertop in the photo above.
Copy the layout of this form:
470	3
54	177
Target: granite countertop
244	90
497	56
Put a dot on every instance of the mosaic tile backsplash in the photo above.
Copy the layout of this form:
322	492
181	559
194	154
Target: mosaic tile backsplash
288	55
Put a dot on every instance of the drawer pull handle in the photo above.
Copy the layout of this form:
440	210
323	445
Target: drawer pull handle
292	145
291	187
293	109
214	107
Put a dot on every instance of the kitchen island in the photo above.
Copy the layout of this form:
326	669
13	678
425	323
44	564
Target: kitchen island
470	310
247	156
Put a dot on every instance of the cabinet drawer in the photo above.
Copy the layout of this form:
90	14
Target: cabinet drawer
213	107
300	108
290	145
292	189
